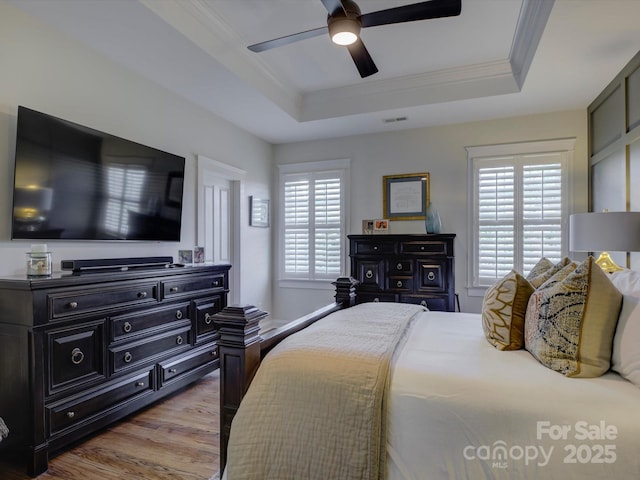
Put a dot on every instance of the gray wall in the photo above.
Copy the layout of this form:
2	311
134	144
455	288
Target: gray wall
441	152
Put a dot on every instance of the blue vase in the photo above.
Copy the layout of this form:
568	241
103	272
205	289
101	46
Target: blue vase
432	220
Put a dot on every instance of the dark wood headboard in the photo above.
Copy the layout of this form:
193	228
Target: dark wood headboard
241	349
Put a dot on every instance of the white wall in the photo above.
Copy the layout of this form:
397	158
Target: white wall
441	152
45	70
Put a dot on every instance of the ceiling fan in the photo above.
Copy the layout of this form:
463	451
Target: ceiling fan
345	20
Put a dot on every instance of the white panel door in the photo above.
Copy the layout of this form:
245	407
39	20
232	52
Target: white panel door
220	189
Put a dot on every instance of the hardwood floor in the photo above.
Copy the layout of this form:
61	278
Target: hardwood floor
177	438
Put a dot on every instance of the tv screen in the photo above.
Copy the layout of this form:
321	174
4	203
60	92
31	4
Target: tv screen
76	183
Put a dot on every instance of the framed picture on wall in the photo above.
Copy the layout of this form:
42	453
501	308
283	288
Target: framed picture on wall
405	197
258	212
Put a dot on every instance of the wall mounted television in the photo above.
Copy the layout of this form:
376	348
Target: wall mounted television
75	183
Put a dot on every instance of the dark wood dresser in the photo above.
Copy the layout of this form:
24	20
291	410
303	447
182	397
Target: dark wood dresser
404	268
80	351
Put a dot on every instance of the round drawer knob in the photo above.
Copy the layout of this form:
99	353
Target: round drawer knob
399	284
128	357
71	414
179	314
422	248
77	356
179	340
431	276
369	274
142	295
375	247
73	305
126	327
208	319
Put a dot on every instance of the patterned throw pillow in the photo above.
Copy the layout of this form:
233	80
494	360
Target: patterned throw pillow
503	310
569	326
538	279
539	268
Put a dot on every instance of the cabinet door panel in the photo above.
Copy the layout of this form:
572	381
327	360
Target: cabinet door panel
75	355
432	276
370	273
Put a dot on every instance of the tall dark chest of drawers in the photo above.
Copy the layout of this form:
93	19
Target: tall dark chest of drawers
404	268
78	352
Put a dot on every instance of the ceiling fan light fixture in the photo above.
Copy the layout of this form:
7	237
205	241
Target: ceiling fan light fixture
344	31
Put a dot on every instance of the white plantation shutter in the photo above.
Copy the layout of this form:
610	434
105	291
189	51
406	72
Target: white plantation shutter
520	212
313	224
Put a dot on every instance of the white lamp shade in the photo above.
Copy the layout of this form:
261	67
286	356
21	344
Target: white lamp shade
607	231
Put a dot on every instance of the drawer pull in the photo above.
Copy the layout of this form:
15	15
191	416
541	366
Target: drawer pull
142	295
376	300
431	276
77	356
126	327
207	319
71	414
422	248
369	274
179	314
73	305
173	370
399	284
214	353
215	283
140	384
128	357
179	340
375	247
173	289
399	266
424	304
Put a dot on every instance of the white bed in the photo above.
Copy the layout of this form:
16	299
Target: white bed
454	406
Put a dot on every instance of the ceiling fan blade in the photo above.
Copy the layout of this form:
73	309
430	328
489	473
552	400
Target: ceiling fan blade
295	37
362	59
412	13
334	7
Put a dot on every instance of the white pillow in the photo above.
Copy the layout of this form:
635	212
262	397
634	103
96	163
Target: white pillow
627	281
625	358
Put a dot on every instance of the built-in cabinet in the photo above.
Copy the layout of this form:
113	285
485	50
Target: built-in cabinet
404	268
79	351
614	148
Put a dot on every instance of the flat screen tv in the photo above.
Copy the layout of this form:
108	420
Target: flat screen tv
76	183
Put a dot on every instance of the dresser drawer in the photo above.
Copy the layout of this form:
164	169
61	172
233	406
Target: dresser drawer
194	359
400	267
65	414
177	288
75	355
435	303
373	247
370	273
424	247
130	325
396	283
133	354
204	309
365	297
68	303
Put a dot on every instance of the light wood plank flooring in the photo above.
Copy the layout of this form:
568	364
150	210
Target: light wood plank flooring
177	438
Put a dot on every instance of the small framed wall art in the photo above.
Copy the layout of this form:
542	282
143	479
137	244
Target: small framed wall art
258	212
381	225
405	197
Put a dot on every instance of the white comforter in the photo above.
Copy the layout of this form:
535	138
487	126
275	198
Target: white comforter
459	409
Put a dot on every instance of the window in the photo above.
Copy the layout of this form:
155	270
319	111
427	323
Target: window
519	209
313	220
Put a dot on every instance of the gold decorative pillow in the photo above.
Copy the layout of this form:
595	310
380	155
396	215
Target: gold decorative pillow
503	310
569	326
539	279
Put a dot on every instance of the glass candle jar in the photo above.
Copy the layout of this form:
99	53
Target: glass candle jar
38	261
